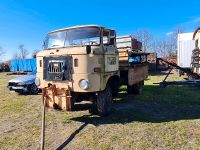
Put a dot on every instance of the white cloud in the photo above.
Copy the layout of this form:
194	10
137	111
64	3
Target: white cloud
169	33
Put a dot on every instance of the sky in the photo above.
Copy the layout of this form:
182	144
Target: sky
28	21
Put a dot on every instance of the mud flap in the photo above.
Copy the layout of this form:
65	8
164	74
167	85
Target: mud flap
57	98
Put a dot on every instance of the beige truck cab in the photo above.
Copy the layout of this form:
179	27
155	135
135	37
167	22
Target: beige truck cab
79	63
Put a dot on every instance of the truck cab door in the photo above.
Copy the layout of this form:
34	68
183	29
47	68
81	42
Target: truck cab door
110	51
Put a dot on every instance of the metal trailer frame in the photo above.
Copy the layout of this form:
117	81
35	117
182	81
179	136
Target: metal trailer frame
186	83
187	71
195	82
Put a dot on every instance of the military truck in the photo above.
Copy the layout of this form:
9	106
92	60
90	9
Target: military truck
85	63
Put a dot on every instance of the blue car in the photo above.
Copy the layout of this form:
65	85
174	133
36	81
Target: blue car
23	84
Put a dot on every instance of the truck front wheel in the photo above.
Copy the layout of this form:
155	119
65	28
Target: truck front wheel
136	88
104	101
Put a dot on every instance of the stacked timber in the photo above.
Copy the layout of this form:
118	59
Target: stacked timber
126	44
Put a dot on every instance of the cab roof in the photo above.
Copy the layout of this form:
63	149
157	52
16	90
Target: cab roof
76	27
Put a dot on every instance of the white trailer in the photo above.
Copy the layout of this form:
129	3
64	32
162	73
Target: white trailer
185	44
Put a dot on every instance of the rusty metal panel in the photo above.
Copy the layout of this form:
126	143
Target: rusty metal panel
137	73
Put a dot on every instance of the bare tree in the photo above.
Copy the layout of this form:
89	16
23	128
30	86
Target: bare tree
161	47
16	56
146	38
173	38
23	53
168	46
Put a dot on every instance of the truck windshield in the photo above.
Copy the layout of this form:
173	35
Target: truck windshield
73	37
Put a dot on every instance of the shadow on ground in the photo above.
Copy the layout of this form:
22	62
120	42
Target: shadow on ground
71	137
155	105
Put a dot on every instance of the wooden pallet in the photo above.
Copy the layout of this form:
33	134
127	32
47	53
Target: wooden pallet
57	98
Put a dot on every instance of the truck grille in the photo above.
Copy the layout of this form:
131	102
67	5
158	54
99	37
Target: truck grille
57	68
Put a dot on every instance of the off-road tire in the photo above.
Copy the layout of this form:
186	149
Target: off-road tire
93	109
115	87
136	88
104	101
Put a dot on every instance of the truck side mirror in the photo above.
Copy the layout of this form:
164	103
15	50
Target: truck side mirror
112	37
112	33
112	41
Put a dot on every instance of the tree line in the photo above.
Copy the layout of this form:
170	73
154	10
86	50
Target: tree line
163	46
20	54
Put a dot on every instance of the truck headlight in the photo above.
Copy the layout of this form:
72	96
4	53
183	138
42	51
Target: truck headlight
21	83
84	84
37	81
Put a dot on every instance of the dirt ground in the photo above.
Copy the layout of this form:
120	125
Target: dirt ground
159	118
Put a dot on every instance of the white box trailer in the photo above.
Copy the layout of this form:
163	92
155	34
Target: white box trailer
185	44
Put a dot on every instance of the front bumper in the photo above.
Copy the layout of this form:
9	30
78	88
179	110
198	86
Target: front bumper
18	88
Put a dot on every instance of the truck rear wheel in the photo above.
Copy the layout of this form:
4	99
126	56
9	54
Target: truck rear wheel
136	88
104	101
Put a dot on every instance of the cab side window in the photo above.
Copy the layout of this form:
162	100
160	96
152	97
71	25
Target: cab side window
105	37
109	37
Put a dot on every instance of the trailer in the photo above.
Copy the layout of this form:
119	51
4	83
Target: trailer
189	72
182	83
194	77
185	45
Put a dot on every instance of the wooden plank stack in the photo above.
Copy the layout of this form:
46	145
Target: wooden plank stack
124	45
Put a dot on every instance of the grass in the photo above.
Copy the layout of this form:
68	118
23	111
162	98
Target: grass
159	118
